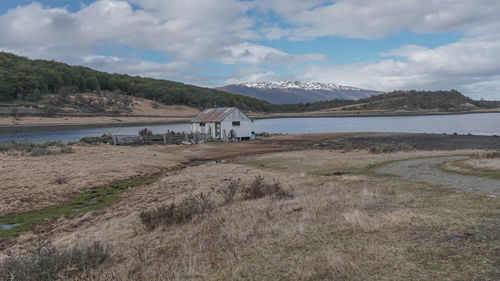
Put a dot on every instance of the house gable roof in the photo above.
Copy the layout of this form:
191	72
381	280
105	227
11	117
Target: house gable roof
213	114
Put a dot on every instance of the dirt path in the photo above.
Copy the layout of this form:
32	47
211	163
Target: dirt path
425	170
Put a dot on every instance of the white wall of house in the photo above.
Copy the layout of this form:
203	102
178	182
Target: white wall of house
209	127
243	130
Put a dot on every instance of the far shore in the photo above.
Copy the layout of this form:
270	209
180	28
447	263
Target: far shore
354	113
90	125
34	123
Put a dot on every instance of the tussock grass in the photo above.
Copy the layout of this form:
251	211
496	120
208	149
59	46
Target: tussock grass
336	228
184	211
36	149
45	262
351	227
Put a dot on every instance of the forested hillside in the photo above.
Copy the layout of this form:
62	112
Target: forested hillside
25	79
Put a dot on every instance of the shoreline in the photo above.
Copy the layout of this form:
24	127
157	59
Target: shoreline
62	127
366	114
69	126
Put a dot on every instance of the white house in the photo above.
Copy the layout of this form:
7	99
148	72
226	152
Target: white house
223	123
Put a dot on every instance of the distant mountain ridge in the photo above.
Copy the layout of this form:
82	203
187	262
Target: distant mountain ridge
288	92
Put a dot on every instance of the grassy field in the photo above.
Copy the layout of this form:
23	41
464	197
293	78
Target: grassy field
340	220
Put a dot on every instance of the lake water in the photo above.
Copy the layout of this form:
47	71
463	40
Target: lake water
477	124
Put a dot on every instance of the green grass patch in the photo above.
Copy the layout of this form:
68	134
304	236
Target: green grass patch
96	198
368	170
371	169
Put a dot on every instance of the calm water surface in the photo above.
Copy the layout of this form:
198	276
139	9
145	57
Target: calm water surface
477	124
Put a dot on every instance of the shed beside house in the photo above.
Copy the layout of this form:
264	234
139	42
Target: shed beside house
223	123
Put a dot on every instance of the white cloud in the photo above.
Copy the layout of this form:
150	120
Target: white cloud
248	53
225	31
175	70
462	65
370	19
189	31
254	74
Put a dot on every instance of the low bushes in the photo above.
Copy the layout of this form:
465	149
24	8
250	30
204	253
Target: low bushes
40	151
172	213
388	148
66	149
493	154
45	262
36	149
259	188
228	191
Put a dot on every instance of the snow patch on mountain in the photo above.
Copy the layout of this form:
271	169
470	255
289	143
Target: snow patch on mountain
308	86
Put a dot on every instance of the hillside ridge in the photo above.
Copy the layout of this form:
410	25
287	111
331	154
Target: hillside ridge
26	79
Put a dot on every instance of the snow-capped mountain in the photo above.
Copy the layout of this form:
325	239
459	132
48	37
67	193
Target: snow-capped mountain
297	85
281	92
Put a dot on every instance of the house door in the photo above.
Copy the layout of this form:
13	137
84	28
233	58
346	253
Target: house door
217	129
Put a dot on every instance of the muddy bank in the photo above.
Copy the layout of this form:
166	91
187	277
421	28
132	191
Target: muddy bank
414	141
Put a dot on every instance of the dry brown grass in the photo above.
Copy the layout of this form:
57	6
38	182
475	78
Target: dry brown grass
30	183
486	164
347	227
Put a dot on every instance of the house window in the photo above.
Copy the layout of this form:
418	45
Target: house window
202	124
236	123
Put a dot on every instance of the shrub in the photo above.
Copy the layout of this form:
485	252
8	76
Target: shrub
40	151
66	149
388	148
21	146
171	213
145	132
493	154
45	262
51	111
52	143
281	193
259	188
61	180
229	190
5	147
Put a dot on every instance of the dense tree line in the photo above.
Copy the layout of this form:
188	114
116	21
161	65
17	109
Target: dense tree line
25	79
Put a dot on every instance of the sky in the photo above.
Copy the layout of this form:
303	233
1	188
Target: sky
379	45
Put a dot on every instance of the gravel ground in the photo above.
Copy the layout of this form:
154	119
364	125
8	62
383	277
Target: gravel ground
425	170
